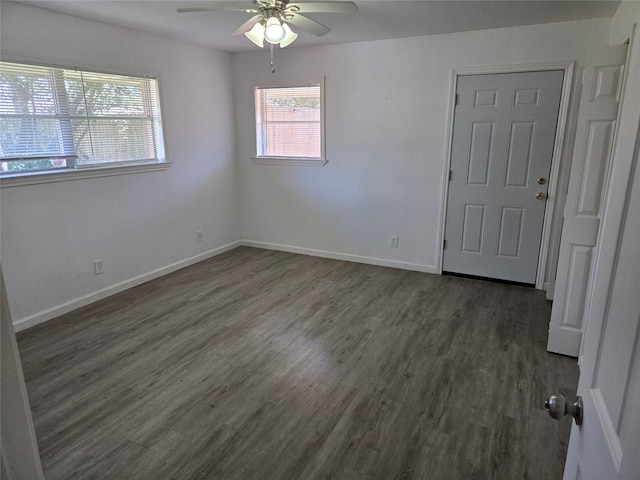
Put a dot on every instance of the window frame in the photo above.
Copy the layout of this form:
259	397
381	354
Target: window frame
284	160
105	169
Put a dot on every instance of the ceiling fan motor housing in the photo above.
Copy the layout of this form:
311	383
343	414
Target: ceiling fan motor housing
278	8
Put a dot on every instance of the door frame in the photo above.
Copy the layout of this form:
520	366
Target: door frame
558	151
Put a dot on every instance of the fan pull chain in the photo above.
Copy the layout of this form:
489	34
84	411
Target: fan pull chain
273	68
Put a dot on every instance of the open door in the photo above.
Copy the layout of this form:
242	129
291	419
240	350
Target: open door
607	444
601	91
19	457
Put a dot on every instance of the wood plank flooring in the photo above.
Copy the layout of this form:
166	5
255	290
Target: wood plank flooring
266	365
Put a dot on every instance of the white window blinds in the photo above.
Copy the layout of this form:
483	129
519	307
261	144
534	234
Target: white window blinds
62	118
289	122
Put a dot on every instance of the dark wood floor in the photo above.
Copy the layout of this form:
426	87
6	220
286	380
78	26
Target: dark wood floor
267	365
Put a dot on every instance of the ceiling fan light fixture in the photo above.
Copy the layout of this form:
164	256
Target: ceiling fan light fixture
256	34
271	16
274	31
289	36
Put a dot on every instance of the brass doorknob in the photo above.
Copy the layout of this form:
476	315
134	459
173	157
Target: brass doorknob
540	196
559	407
542	181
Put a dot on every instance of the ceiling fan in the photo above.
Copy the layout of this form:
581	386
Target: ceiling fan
273	16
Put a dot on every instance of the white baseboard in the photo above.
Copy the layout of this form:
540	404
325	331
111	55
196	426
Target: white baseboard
381	262
74	304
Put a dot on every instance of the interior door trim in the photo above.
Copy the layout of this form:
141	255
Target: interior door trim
558	150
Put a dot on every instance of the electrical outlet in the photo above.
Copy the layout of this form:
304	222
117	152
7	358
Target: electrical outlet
394	241
98	266
198	236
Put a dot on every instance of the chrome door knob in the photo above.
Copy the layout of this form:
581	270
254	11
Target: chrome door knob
559	407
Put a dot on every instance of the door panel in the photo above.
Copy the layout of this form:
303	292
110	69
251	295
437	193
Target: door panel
510	235
481	141
594	136
598	147
579	267
473	228
503	136
520	150
527	97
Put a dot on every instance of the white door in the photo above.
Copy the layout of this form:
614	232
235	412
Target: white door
607	445
503	137
19	456
601	89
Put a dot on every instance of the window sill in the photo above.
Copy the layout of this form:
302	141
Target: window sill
35	178
304	162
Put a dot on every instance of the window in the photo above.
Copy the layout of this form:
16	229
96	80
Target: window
54	119
289	124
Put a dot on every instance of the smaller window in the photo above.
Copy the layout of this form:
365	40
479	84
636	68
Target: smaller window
289	124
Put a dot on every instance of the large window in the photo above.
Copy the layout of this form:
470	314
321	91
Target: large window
289	123
55	119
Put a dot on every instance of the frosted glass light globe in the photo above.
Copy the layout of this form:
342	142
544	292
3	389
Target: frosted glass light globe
274	33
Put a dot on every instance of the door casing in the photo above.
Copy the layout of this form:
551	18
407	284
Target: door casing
558	150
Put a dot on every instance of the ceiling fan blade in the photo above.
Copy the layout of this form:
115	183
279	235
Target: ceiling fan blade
309	25
220	8
246	26
324	7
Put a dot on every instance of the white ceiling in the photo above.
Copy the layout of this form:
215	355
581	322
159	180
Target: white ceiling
375	20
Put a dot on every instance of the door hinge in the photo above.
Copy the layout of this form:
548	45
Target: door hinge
444	244
456	99
450	174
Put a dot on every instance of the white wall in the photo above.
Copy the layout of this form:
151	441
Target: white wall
143	224
386	111
627	14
